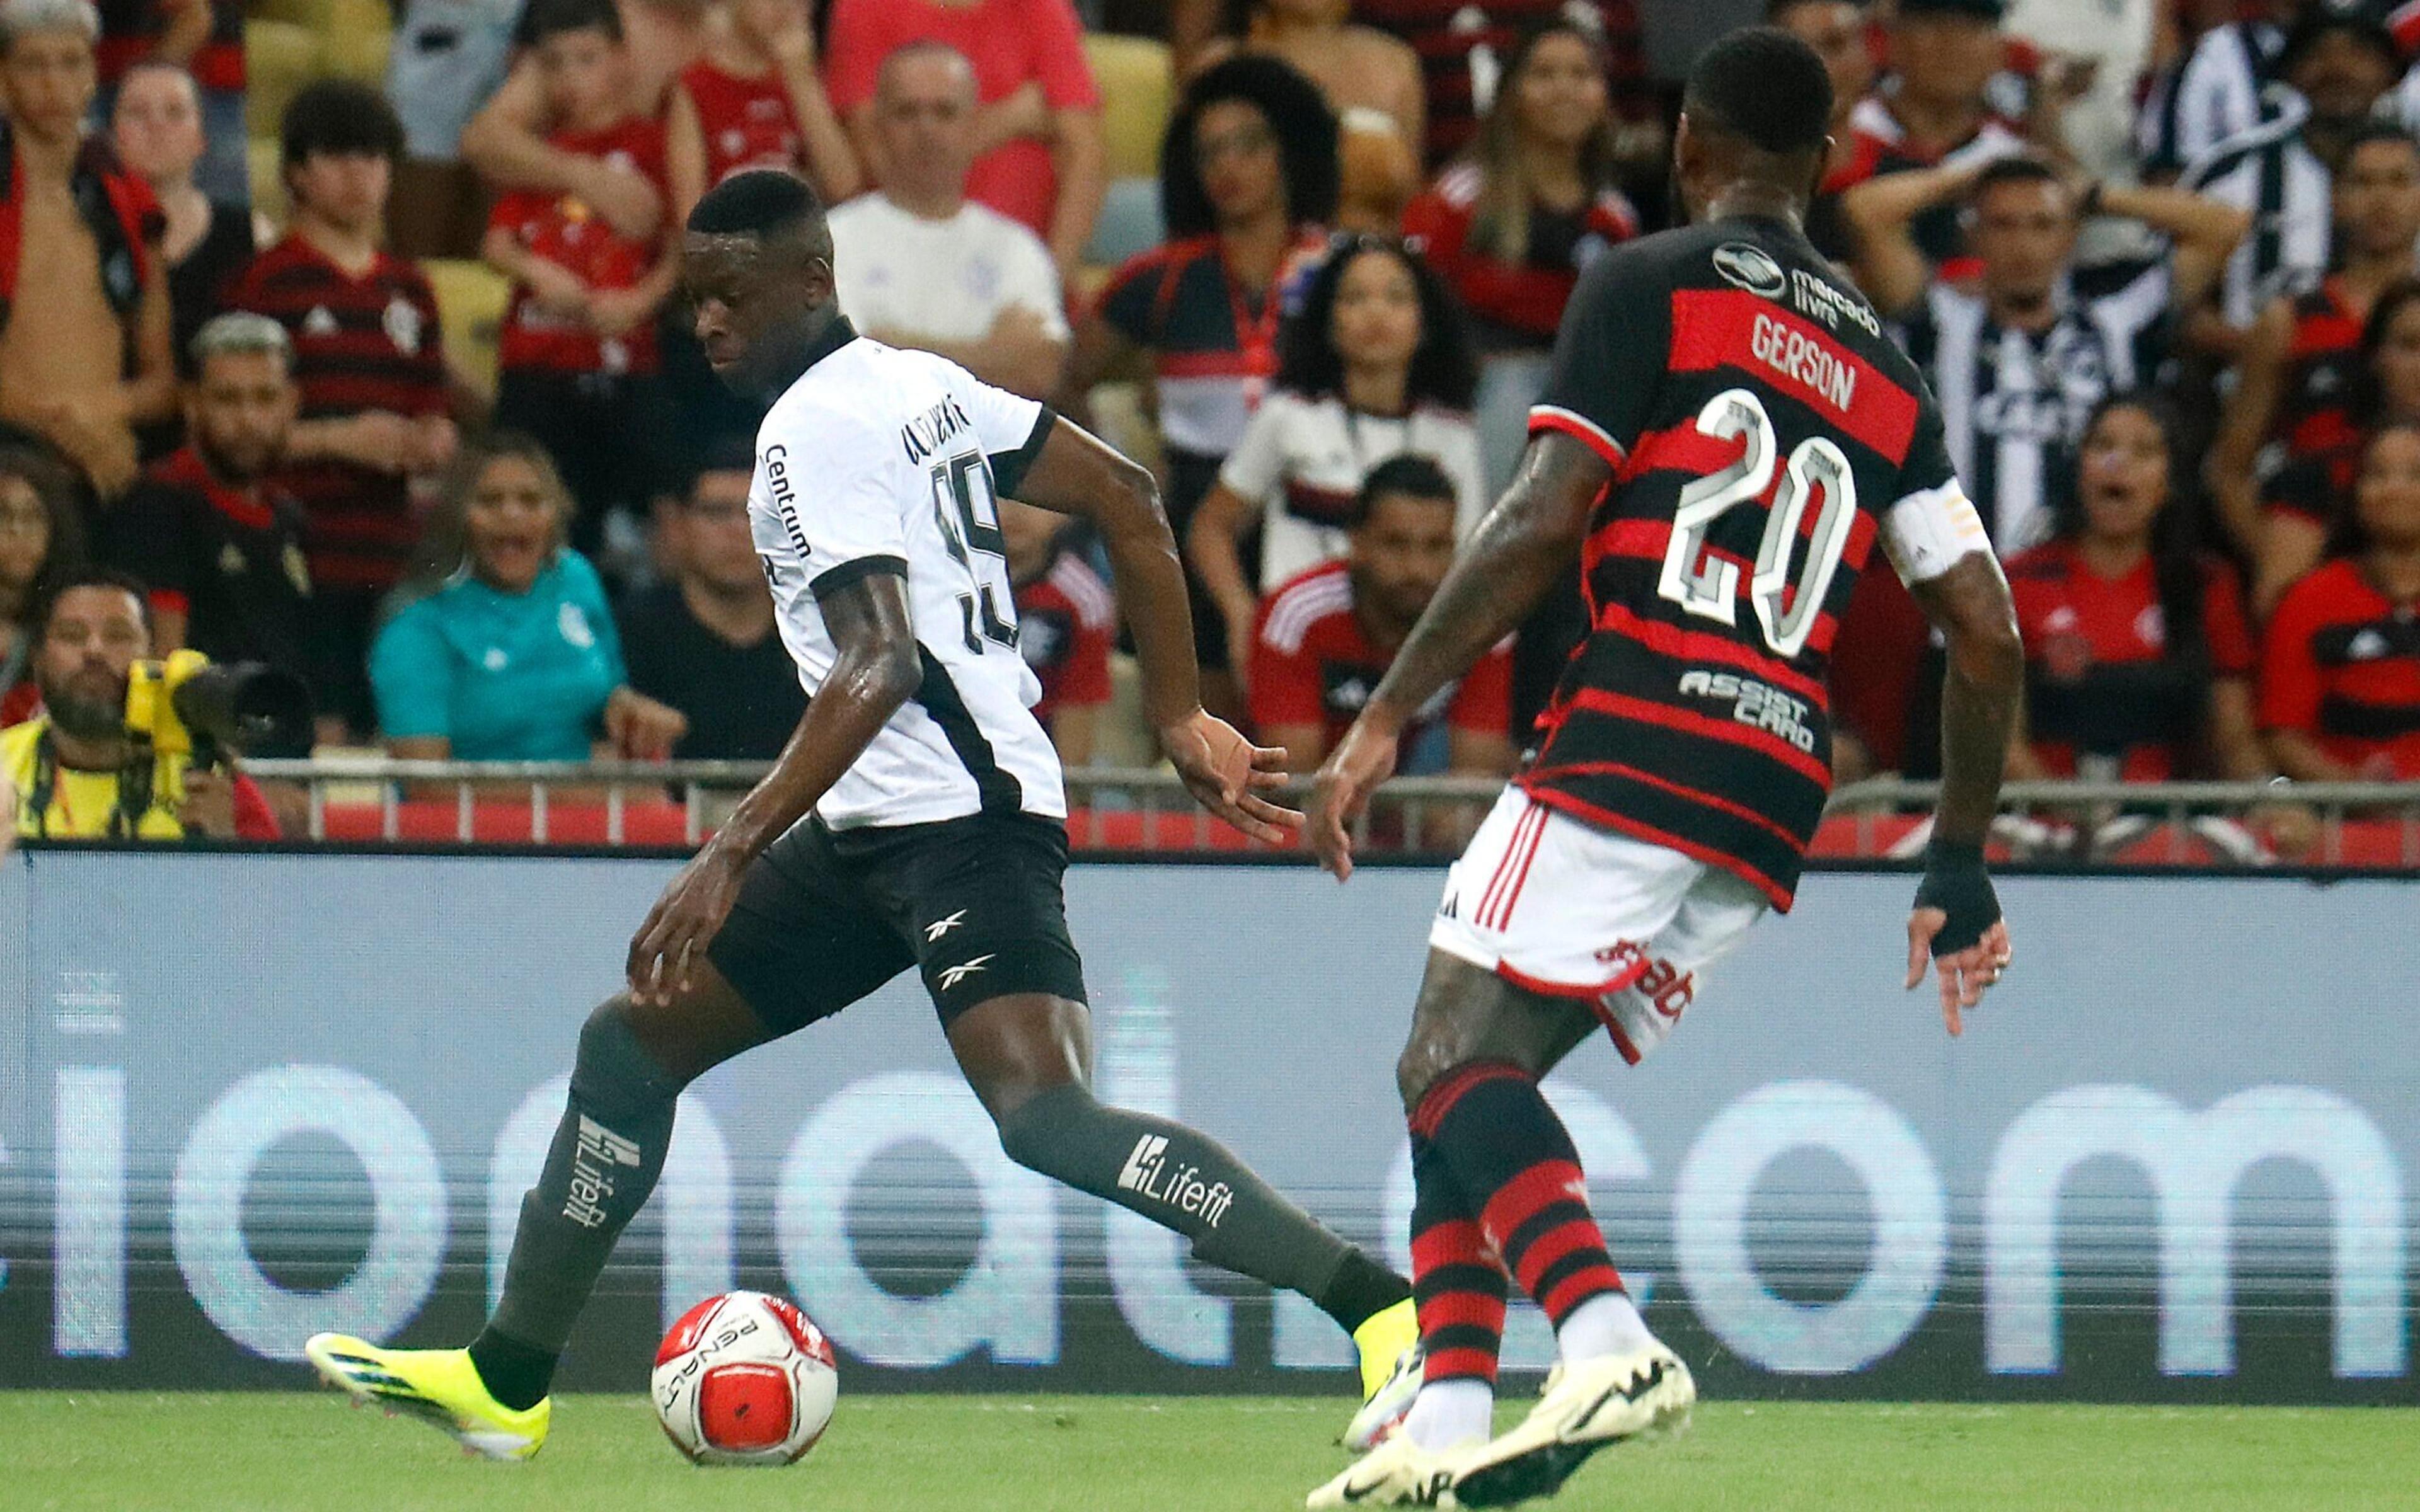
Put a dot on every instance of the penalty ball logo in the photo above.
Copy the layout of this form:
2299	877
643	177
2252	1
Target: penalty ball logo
1750	268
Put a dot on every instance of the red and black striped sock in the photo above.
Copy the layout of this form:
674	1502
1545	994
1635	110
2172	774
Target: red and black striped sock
1516	1165
1458	1281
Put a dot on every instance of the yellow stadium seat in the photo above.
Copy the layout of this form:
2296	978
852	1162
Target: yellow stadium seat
268	182
1137	91
354	43
279	58
471	298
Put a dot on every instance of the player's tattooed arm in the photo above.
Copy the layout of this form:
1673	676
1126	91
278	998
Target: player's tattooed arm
878	668
1080	475
1522	548
1969	604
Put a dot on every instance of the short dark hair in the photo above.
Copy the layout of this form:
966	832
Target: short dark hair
91	577
762	202
1298	115
338	117
1775	9
2015	169
726	450
1766	87
1407	474
2379	131
553	18
2322	24
1445	366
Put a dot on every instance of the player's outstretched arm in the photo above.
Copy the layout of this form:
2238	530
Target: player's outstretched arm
1523	546
1078	473
877	670
1957	917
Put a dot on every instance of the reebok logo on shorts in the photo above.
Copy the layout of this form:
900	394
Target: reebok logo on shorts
940	927
957	974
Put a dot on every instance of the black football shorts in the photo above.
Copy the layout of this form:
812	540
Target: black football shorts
977	906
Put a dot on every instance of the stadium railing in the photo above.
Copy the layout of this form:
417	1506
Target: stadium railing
676	804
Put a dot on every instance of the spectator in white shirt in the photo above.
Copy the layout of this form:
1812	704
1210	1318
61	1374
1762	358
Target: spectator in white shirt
1377	363
920	265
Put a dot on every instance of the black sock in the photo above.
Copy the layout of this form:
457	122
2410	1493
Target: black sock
608	1150
516	1374
1187	1181
1361	1289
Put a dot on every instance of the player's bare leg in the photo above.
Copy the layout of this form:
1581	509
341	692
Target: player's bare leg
1029	1058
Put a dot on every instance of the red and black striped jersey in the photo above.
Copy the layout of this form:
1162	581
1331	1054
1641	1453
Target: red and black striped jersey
2322	356
359	344
1762	430
2342	666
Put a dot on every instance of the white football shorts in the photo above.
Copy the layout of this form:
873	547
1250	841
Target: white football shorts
1563	908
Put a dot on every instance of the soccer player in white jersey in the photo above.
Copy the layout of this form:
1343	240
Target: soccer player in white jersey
915	819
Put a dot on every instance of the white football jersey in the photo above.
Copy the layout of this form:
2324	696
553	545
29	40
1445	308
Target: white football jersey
880	459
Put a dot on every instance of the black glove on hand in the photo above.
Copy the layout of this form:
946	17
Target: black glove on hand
1956	883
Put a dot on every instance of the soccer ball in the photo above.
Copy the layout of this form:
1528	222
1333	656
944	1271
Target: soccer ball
744	1379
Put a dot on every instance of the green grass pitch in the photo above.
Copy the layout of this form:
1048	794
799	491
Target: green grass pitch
143	1452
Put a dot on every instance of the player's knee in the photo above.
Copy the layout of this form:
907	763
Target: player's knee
1424	1060
615	1069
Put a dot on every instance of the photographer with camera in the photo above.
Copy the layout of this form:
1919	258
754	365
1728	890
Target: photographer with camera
129	749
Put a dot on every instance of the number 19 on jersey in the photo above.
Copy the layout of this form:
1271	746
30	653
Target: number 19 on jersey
967	511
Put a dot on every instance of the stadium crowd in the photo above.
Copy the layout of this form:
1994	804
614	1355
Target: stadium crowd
424	423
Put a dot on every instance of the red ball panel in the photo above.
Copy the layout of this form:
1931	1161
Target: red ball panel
809	1338
685	1334
743	1406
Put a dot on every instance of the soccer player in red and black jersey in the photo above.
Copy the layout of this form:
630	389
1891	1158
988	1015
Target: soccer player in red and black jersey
1726	434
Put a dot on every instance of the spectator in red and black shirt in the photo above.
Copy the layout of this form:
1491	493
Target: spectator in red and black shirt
2307	503
1248	180
2340	672
208	531
1326	636
2296	384
369	359
1511	225
577	349
2139	655
1843	38
1066	622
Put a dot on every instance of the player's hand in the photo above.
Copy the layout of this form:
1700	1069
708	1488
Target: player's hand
683	923
434	441
1227	774
1361	760
1966	975
642	729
